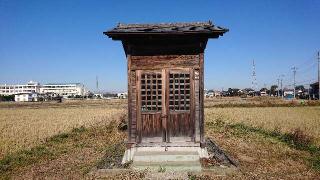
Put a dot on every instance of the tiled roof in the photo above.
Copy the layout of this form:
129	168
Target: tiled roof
167	28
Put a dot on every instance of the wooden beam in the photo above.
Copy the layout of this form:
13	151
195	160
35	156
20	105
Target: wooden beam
129	98
192	103
201	74
139	120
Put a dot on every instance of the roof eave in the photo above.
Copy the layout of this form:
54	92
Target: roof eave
117	35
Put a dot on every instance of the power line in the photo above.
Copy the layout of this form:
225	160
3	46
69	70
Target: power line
309	80
307	69
310	59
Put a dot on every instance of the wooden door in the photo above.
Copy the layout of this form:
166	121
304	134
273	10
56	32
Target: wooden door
165	106
150	106
180	117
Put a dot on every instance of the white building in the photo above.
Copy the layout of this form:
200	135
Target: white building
30	87
57	89
26	97
123	95
288	92
63	89
263	93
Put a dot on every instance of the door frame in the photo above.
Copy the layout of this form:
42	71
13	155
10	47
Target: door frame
165	111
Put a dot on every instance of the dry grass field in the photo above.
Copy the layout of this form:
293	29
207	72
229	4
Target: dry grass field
24	125
282	119
65	140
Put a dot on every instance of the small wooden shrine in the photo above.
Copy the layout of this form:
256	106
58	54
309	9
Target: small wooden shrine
165	81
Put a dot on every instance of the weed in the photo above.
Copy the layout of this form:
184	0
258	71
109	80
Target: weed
299	138
123	125
191	176
219	122
59	137
162	169
113	157
80	129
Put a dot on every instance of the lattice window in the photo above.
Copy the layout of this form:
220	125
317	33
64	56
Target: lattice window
151	92
179	96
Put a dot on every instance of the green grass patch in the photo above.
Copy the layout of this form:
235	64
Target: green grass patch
59	137
22	158
113	157
80	129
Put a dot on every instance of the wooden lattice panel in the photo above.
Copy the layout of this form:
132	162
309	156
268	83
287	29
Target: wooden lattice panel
179	91
151	92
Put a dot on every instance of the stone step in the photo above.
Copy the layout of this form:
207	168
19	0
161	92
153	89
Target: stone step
144	153
165	156
168	166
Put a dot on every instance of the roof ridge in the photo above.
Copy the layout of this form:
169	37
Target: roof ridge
131	25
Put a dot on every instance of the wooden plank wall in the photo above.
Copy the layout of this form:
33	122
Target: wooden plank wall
160	62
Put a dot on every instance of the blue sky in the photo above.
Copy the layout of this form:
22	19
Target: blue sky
62	41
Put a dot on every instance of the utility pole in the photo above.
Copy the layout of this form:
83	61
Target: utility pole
319	75
97	84
278	87
294	69
309	91
254	78
281	78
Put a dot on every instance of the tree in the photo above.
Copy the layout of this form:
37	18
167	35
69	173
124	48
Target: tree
263	90
233	92
300	87
6	97
273	89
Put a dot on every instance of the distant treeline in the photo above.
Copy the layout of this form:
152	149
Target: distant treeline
6	97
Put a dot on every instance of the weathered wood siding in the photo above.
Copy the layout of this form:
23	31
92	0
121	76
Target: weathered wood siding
181	124
144	125
160	62
151	125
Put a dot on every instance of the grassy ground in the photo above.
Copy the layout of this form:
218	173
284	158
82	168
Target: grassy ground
262	139
24	125
264	154
69	155
282	119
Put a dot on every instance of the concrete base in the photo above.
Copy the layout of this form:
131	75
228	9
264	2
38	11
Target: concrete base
129	153
165	158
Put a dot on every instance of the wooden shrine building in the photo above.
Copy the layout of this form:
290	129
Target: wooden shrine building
165	81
